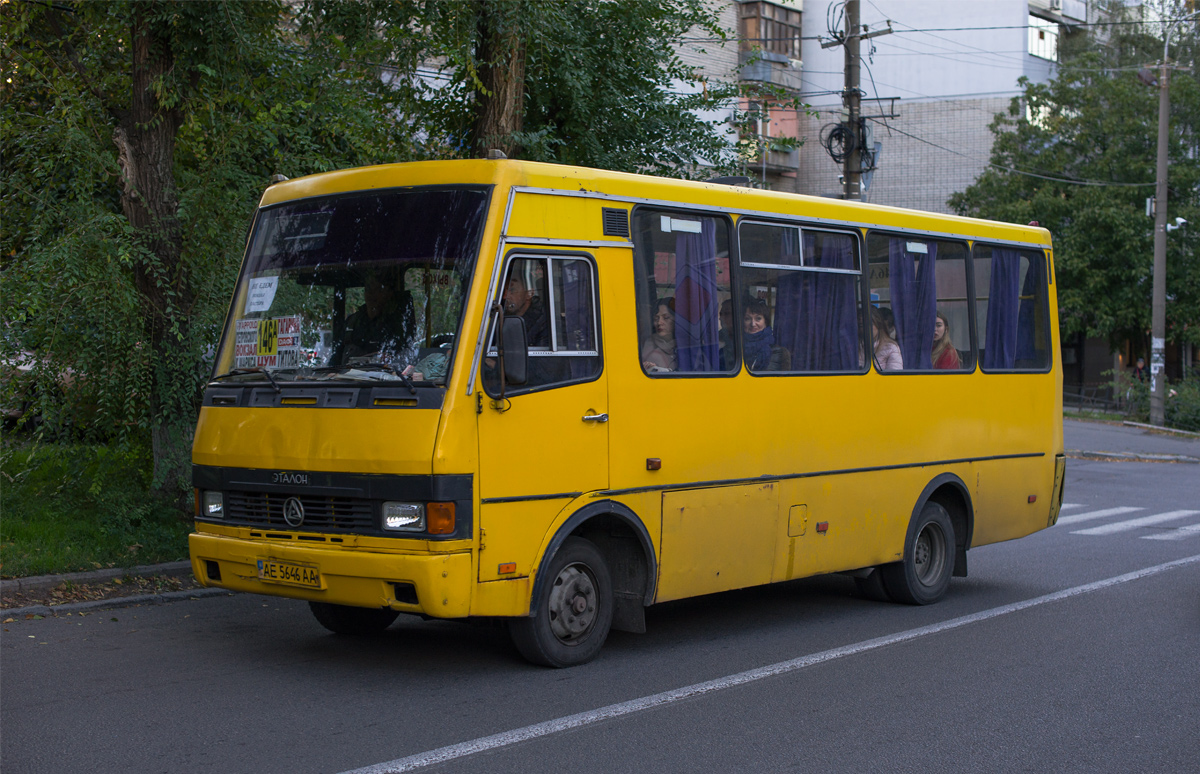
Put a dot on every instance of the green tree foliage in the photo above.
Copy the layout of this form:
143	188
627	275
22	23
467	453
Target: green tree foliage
136	138
1081	167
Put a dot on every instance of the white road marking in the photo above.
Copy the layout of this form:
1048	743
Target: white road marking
538	730
1179	533
1096	515
1125	526
1069	506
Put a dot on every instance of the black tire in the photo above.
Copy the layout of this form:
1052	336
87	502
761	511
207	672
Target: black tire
358	621
923	576
872	588
573	609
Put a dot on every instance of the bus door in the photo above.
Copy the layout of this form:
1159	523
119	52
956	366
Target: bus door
546	441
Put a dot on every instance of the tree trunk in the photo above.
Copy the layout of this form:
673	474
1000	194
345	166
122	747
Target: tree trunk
145	140
500	104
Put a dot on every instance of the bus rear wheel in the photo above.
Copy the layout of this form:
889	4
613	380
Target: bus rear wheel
923	576
573	609
343	619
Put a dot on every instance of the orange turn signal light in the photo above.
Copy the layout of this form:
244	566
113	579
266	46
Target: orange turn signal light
507	567
439	518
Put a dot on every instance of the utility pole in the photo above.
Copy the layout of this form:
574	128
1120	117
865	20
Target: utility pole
1158	309
852	166
1158	304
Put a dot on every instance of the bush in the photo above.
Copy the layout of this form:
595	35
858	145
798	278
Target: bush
73	506
1183	403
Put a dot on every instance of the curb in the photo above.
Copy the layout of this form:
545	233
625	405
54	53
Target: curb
1157	429
1131	457
116	602
46	582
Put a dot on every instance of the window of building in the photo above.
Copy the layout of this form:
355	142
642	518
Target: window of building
801	307
771	27
556	298
1011	292
1043	38
920	310
684	287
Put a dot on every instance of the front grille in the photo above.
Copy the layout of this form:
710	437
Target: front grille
321	514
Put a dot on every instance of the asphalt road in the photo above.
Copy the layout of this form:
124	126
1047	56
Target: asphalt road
1101	678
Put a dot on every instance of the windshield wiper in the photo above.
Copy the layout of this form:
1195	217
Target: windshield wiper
244	371
375	366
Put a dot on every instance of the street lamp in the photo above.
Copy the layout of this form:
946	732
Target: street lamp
1158	309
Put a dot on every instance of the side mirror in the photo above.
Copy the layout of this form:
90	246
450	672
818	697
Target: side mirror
514	351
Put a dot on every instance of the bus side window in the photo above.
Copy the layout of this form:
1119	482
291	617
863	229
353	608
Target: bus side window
919	292
682	278
1011	308
556	298
804	285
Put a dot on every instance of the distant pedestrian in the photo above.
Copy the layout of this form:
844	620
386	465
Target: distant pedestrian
1139	370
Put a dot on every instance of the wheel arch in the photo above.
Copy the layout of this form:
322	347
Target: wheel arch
949	491
624	542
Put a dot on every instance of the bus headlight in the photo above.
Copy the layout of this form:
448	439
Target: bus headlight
404	517
214	505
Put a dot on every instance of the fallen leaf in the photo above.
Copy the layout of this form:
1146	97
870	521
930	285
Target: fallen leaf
10	620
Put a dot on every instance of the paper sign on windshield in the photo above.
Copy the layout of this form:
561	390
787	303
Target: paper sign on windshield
261	294
270	343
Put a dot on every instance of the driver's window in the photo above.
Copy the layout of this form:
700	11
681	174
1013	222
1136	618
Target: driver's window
556	299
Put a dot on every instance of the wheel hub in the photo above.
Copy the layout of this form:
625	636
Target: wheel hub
929	555
572	604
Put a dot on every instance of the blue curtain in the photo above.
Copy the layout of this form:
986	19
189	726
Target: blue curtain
914	301
696	299
1028	355
1000	341
816	314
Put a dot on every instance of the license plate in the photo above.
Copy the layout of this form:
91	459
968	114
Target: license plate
273	571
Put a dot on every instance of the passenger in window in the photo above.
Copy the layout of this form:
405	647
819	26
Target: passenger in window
889	320
887	351
725	334
758	340
944	354
658	351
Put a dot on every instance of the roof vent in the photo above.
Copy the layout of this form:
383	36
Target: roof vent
616	222
278	179
495	154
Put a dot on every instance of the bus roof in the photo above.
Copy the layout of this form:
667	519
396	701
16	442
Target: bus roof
634	188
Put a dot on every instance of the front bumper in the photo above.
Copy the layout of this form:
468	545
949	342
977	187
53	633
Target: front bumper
360	578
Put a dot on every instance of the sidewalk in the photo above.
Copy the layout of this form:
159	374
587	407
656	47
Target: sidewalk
1105	440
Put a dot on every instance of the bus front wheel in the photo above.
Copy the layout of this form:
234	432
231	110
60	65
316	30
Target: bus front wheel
343	619
923	576
573	609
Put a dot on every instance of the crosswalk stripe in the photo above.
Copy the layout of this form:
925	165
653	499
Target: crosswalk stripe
1097	514
1145	521
1179	533
1069	506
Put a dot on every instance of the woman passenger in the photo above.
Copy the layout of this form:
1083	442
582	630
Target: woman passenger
887	351
658	351
944	354
759	348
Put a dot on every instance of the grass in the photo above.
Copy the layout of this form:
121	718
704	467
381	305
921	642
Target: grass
66	507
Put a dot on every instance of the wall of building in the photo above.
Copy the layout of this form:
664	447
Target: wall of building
935	148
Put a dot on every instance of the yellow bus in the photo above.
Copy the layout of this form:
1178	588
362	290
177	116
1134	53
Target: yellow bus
558	395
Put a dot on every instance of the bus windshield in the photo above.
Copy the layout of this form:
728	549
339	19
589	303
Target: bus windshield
364	286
